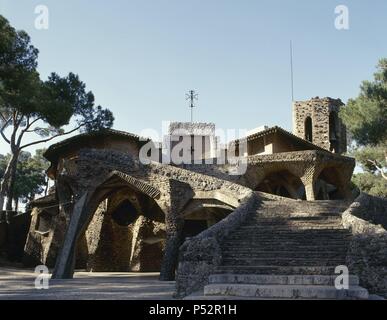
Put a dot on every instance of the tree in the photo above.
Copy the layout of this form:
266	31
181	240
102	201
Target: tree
31	178
366	120
30	106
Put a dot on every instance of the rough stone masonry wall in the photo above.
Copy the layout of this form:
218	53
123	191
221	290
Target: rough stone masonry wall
367	254
96	164
94	167
318	110
199	256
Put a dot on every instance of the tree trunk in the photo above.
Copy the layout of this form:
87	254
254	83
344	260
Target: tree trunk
16	201
11	184
8	182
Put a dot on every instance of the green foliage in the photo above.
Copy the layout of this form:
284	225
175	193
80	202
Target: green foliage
366	116
32	106
366	120
371	184
364	154
30	174
24	97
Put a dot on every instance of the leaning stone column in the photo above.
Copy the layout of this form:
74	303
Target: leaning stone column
64	267
308	179
179	194
310	192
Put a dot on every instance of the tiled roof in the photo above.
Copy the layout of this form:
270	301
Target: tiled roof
279	130
56	148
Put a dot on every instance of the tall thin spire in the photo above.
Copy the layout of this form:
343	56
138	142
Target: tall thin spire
192	95
291	69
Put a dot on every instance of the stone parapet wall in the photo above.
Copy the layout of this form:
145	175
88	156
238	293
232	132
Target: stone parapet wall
367	254
199	256
371	208
192	128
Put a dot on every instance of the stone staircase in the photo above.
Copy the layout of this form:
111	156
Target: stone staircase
287	250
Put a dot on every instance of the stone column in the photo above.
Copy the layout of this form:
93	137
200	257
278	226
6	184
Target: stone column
309	180
64	267
310	191
179	194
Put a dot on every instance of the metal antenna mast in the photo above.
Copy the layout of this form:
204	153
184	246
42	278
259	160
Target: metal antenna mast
291	69
192	96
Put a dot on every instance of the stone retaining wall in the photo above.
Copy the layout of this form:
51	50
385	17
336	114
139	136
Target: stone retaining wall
199	256
367	254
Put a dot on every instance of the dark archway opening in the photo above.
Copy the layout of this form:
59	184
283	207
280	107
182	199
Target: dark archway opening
125	234
327	185
125	213
284	184
194	227
202	218
308	129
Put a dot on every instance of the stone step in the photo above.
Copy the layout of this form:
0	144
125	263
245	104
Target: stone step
276	270
295	250
290	233
293	221
285	291
291	224
293	228
276	213
294	207
264	279
271	214
282	243
279	261
285	236
284	210
284	254
315	203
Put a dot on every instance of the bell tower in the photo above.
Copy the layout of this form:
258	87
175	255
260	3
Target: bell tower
317	120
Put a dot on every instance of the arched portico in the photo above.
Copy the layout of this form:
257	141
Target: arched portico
126	233
282	183
84	210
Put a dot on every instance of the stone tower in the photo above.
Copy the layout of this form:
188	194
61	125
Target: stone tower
317	121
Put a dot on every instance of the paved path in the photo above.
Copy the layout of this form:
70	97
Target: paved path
18	284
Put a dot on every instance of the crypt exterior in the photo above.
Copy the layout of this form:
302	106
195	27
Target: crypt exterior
290	212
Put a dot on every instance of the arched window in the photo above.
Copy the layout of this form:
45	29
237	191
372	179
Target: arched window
308	129
333	132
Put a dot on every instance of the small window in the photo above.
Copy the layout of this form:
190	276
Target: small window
333	132
308	129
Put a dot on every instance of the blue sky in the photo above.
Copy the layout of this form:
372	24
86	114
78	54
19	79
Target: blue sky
141	57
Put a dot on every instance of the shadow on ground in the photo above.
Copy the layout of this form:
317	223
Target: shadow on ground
18	284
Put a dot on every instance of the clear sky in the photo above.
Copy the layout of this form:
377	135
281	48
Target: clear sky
141	57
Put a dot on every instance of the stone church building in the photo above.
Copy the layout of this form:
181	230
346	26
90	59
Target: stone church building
290	213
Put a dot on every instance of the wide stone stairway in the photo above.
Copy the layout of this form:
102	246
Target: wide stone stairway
287	250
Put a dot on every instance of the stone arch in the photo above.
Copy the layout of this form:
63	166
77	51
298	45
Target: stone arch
127	234
308	129
85	209
329	184
200	214
282	183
